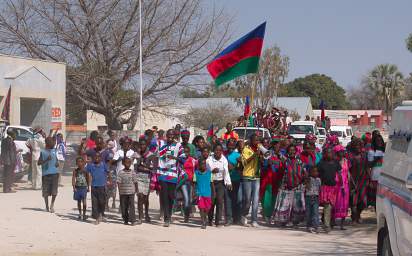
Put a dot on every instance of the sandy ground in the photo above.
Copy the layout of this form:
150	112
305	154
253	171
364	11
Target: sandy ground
26	229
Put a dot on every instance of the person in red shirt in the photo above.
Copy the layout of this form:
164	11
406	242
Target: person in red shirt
230	133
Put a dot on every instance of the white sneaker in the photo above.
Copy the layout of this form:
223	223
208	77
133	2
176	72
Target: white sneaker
255	224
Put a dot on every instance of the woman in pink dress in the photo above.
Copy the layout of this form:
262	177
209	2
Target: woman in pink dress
340	211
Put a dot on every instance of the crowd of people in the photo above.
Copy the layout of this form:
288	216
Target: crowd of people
231	181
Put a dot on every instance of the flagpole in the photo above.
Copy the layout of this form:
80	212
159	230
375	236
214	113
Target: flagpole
141	67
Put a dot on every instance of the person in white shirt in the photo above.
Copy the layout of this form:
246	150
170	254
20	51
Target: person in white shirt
36	144
218	164
124	152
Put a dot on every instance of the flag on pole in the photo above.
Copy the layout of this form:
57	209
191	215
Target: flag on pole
210	133
239	58
247	107
5	114
322	106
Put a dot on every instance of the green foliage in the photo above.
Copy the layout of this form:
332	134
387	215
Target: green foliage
318	87
409	42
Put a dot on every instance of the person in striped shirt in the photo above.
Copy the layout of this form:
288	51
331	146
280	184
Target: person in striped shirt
168	174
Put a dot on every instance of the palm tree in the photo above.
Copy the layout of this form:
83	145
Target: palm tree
387	83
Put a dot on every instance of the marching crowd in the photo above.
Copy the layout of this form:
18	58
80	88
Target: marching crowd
227	178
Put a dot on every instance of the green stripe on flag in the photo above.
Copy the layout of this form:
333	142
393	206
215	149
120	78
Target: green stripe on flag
245	66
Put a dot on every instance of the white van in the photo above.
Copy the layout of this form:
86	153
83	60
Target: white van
299	129
343	132
394	193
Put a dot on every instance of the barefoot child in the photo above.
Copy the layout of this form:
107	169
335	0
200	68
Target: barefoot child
312	188
99	174
127	182
50	177
204	187
81	185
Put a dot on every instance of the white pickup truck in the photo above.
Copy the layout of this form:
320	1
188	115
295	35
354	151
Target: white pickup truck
23	133
394	194
299	129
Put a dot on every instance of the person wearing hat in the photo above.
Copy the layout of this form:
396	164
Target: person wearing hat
340	211
36	144
270	179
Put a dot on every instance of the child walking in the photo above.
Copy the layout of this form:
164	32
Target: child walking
99	174
50	176
127	182
312	189
204	187
81	185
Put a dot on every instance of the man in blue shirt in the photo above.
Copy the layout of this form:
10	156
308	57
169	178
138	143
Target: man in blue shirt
100	175
50	177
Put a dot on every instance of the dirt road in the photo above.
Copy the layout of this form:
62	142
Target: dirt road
26	229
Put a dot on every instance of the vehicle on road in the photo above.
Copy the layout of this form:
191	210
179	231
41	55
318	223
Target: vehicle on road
394	193
248	131
23	133
299	129
343	132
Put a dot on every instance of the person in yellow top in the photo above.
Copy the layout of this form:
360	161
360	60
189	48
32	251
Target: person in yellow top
250	180
230	133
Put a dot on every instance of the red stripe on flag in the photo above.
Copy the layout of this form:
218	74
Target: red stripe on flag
251	48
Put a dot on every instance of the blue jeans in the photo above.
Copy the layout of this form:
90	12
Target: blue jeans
233	202
250	190
187	197
312	211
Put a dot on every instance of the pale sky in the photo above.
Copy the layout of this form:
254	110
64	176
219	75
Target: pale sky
343	39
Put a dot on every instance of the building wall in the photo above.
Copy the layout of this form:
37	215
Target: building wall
41	82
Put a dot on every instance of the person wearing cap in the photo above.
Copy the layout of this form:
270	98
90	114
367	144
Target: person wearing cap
36	143
340	211
230	133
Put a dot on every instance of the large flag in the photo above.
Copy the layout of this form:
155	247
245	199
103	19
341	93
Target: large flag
239	58
5	114
322	106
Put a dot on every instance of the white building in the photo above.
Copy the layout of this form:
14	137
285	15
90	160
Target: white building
38	91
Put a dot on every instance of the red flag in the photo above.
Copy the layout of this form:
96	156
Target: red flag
5	114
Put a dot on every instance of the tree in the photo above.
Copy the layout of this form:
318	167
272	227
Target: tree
362	97
409	42
318	87
273	70
218	115
387	83
99	41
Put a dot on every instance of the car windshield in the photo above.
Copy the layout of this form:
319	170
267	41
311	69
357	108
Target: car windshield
349	132
21	134
249	132
337	133
322	131
301	129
